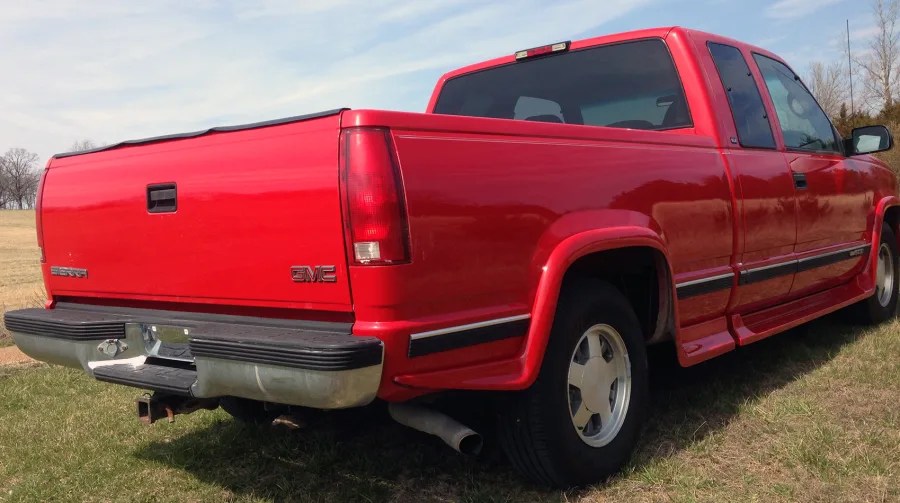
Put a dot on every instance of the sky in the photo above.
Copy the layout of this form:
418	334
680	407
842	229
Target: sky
116	70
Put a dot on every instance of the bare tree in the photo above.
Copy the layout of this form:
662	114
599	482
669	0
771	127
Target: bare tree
85	144
879	66
21	175
828	83
5	193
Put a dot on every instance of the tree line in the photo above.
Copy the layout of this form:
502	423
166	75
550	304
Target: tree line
20	176
863	87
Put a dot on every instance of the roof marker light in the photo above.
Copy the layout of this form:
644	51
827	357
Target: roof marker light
543	50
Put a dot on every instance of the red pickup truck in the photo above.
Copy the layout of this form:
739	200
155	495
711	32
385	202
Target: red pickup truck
554	212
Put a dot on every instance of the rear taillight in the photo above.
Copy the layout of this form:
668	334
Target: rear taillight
374	206
37	214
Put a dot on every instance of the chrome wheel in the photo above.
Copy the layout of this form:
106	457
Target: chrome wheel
884	277
599	385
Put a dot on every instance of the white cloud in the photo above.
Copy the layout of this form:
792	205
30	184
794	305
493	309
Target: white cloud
863	34
122	70
790	9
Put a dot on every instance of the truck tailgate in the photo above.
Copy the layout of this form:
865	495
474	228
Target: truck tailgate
253	205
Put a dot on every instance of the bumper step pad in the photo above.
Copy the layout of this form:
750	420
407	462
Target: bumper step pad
153	377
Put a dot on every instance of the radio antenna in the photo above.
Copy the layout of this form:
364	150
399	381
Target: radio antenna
850	69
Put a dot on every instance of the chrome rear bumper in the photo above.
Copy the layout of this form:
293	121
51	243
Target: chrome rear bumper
318	365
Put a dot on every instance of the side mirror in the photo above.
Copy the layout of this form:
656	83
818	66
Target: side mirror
868	140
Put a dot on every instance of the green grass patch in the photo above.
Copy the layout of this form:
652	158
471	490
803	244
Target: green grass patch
806	416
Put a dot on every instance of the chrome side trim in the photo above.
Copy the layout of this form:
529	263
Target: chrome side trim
470	326
703	286
770	266
472	334
704	280
758	274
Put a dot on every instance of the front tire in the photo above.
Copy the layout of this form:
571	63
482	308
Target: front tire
882	305
579	422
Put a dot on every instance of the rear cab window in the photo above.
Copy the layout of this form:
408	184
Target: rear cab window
744	99
626	85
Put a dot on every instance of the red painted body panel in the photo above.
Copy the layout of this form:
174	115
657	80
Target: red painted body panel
498	210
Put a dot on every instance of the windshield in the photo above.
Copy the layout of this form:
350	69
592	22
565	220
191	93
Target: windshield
629	85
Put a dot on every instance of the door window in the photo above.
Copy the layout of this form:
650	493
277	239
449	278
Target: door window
803	123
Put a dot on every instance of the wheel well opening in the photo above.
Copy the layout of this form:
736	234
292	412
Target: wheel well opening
892	218
641	274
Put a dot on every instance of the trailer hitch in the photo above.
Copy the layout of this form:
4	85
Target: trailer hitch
152	408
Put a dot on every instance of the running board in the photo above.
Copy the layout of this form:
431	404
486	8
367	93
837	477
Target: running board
752	327
700	342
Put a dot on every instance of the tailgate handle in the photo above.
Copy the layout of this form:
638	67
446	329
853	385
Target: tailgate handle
162	198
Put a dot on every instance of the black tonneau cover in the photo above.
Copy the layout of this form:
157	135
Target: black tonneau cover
194	134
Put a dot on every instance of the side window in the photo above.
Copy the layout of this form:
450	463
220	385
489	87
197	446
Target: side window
747	107
537	109
803	123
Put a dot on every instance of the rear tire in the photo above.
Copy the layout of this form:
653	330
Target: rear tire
579	422
248	411
882	305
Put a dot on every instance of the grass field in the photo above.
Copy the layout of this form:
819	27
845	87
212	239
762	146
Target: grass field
811	415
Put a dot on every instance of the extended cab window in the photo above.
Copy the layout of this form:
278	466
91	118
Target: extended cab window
747	107
631	85
803	123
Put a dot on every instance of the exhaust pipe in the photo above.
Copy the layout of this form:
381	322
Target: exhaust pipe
458	436
161	405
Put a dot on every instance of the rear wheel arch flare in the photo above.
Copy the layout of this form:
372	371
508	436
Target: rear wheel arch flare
589	247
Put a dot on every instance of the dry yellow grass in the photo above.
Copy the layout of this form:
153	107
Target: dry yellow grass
20	269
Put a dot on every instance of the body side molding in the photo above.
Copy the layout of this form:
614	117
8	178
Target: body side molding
718	282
